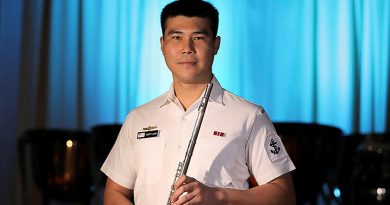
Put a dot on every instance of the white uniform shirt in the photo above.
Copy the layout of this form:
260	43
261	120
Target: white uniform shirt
236	139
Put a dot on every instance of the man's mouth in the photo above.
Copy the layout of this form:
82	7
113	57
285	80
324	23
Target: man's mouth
187	62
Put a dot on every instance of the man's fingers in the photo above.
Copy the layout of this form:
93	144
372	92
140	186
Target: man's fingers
184	199
180	181
183	189
183	179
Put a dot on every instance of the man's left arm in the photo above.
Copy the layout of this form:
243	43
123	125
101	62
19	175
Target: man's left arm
277	191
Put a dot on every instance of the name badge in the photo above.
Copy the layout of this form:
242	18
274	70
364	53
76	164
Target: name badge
148	134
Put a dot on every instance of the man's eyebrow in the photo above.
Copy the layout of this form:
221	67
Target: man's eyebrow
174	32
204	32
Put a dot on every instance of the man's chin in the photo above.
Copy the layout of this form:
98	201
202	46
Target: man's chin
193	80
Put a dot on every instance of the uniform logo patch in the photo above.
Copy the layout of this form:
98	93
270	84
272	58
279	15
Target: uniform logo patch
274	147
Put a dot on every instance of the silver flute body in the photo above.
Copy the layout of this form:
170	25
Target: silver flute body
183	166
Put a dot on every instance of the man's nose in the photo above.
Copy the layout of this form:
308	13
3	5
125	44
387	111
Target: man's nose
188	47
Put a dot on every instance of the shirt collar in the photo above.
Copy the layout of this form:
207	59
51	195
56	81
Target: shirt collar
215	96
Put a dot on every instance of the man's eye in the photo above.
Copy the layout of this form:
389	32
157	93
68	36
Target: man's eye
198	38
176	37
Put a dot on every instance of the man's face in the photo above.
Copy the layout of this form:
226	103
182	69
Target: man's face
189	46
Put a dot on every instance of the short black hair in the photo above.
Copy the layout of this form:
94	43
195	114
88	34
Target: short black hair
191	8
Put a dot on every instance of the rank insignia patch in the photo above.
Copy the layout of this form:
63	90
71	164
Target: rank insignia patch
274	147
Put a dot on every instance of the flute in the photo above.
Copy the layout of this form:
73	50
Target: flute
183	166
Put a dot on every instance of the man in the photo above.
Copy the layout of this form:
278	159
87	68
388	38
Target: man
236	140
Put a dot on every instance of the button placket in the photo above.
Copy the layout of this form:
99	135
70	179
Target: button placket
185	132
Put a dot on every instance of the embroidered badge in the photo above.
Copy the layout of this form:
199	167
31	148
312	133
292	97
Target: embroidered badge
274	147
274	144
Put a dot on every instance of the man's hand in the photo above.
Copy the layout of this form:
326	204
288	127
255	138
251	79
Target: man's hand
194	192
277	191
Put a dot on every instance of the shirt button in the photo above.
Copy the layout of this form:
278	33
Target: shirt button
179	146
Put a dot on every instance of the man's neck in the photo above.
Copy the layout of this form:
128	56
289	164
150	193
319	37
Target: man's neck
188	93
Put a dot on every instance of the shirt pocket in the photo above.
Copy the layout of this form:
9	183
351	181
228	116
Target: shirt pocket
211	161
149	155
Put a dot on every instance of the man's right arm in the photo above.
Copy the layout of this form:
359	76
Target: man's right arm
117	194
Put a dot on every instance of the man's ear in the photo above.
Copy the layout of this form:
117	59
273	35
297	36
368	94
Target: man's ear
217	43
162	43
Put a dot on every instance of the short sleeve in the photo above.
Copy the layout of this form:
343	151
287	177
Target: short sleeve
119	164
267	157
